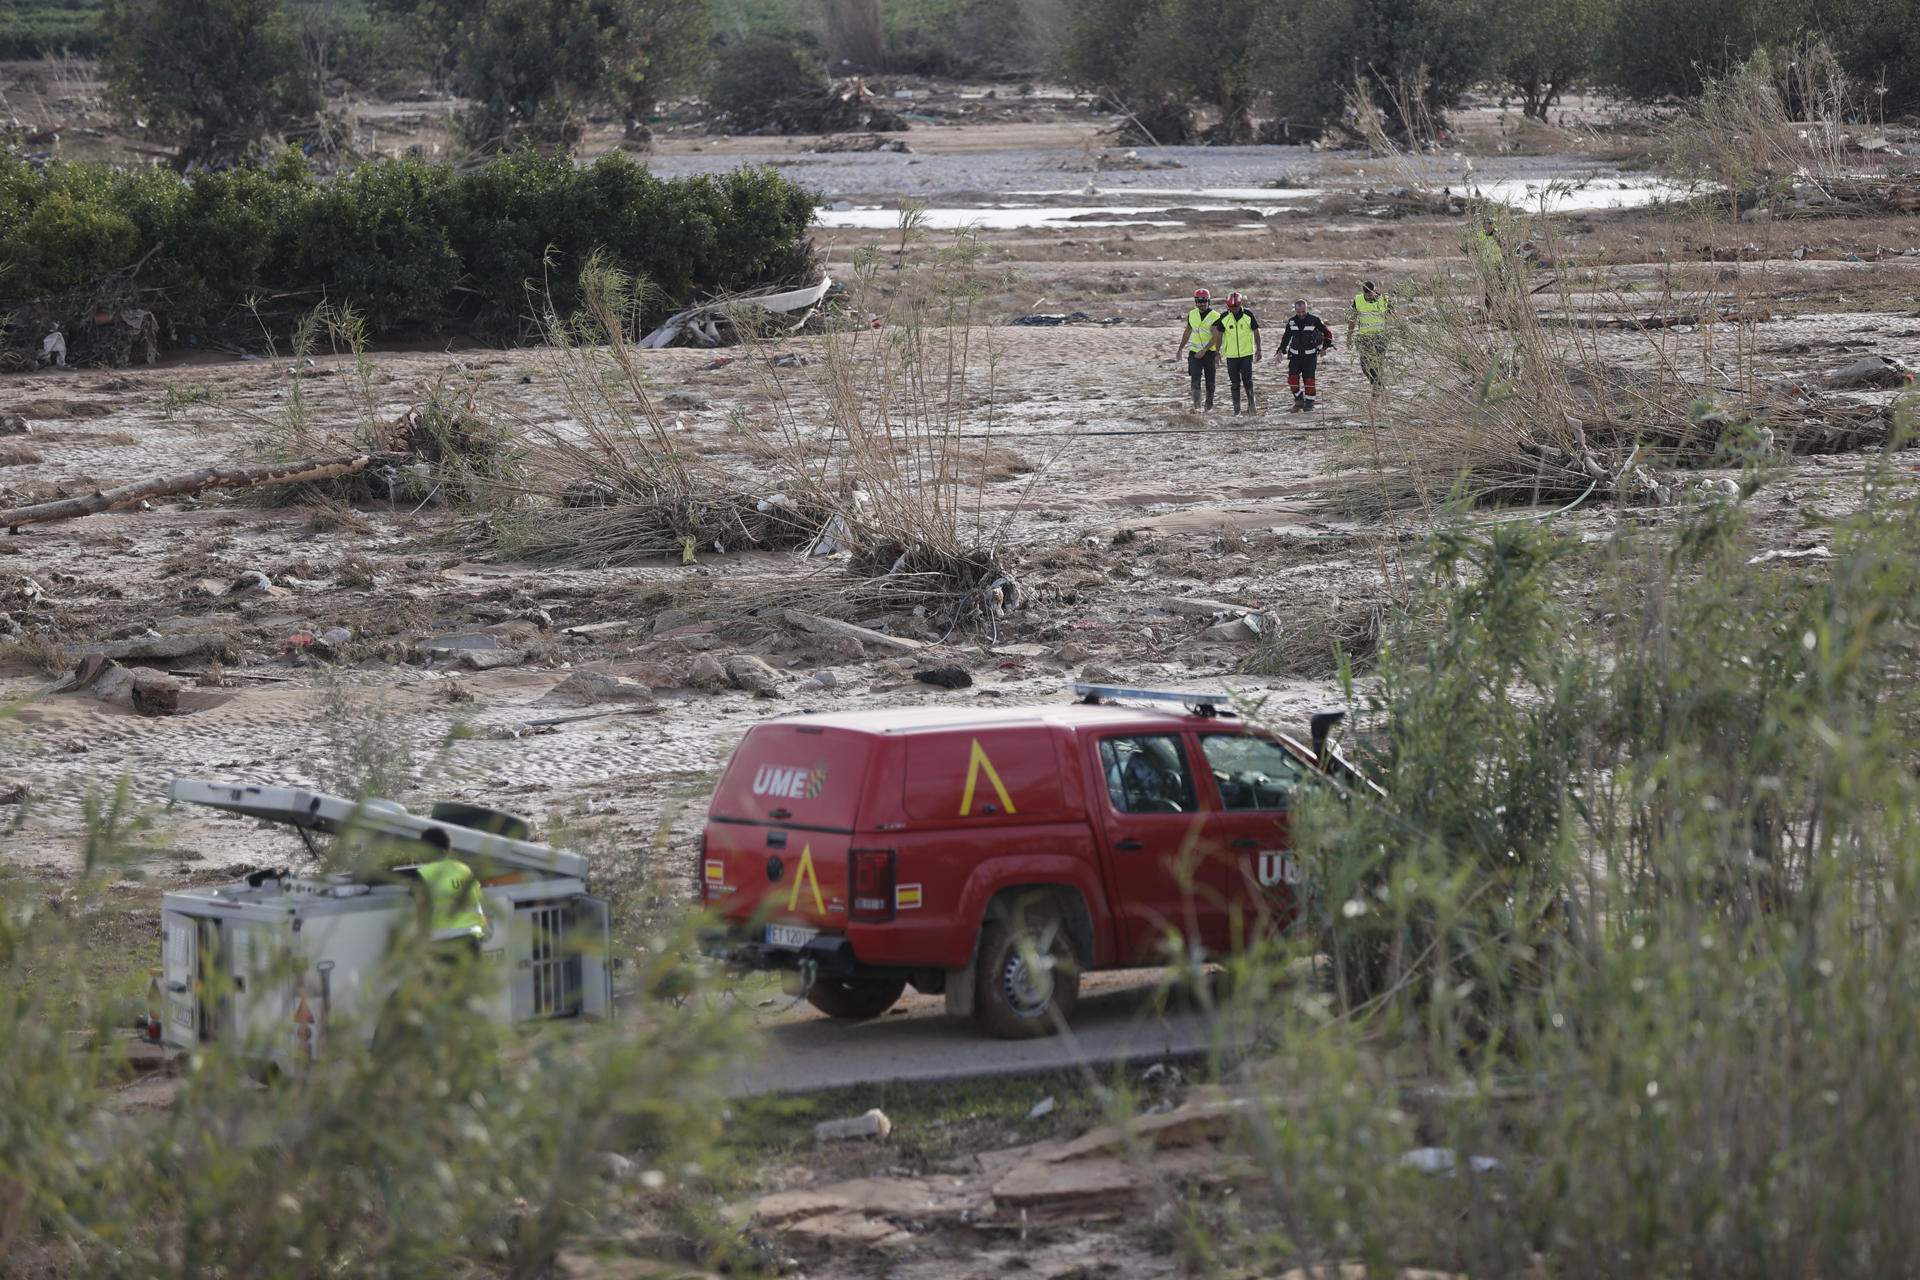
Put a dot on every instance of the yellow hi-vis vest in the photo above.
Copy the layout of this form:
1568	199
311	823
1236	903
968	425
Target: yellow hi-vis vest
1200	330
1237	340
1371	316
453	900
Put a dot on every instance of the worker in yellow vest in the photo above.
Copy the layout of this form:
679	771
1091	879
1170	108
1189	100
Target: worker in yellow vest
1367	333
1200	344
1240	344
456	918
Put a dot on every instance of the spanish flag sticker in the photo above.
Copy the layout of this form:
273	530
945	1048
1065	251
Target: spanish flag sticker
906	897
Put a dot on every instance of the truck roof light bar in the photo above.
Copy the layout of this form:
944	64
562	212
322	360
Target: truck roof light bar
1201	704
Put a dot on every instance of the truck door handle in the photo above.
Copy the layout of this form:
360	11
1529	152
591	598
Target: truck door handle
1244	843
178	988
1128	845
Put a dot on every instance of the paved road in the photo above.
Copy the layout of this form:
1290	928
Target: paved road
1118	1020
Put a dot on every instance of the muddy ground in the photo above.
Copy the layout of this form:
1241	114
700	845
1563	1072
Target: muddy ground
1105	496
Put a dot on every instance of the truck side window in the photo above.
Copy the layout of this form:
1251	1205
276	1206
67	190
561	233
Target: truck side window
1252	773
1147	774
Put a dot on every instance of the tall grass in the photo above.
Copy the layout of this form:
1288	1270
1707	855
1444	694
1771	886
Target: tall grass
1634	920
453	1147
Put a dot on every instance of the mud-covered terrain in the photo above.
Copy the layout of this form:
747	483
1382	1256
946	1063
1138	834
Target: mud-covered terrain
318	625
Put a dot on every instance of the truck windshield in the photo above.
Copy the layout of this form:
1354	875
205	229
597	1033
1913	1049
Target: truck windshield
1251	772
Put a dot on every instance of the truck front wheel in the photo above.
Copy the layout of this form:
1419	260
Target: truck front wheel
855	999
1029	978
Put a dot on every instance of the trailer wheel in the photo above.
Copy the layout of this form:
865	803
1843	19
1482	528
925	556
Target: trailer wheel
855	999
1029	977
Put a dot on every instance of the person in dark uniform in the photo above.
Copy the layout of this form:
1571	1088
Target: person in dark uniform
1200	343
1240	344
1306	337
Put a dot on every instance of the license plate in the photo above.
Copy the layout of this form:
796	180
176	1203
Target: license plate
790	935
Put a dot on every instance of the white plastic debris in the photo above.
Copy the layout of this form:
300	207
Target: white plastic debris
1445	1162
873	1124
1044	1107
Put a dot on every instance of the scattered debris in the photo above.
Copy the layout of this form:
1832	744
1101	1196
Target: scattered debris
1805	553
15	793
158	648
872	1124
450	646
826	678
753	675
1049	319
1445	1162
586	688
1044	1107
860	142
1246	628
1872	372
618	1167
139	689
707	673
278	473
722	321
819	626
589	630
945	677
1200	607
491	659
13	424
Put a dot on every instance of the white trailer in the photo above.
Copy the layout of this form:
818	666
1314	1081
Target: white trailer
277	965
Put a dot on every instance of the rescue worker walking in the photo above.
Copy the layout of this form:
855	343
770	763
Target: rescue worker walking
456	918
1367	333
1306	337
1240	344
1200	343
1490	259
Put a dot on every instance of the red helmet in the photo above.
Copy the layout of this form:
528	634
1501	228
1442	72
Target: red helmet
1233	299
1201	295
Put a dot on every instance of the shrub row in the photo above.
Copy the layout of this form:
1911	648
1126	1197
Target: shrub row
37	28
413	246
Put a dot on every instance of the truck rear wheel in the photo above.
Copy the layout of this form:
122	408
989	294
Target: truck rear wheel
855	999
1029	978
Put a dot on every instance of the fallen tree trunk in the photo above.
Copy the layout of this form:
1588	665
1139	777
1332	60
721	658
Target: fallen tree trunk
305	471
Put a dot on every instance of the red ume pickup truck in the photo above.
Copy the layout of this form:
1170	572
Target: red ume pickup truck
996	854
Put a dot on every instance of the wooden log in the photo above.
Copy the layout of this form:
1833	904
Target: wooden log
305	471
866	635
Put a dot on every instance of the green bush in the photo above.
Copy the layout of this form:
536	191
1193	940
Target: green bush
753	77
1634	919
409	245
43	28
452	1147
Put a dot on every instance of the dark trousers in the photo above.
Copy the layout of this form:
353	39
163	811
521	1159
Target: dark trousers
1373	357
1240	374
1300	370
1199	367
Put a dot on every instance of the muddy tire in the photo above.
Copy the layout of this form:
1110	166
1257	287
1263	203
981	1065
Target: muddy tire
855	999
1029	977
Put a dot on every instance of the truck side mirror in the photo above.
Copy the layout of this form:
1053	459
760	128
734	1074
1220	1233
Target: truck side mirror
1320	726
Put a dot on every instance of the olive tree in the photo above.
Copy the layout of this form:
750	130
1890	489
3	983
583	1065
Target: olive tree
221	73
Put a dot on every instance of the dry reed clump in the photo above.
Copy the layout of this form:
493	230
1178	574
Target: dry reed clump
614	487
1312	641
873	460
1784	129
445	450
904	449
1497	402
